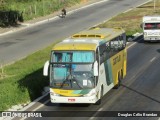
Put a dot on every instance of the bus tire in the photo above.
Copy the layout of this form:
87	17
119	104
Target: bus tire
100	100
119	82
121	75
146	41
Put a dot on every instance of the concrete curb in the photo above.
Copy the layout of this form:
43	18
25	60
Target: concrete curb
33	102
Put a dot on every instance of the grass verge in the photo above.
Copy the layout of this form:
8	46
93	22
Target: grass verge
23	81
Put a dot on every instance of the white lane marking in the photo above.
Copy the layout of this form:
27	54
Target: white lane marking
144	3
131	45
47	101
136	6
34	102
152	59
100	109
38	108
159	119
91	5
127	10
91	118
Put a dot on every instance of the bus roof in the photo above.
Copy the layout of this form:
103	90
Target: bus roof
102	33
88	39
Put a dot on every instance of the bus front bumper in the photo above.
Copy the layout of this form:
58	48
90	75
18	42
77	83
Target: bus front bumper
62	99
151	38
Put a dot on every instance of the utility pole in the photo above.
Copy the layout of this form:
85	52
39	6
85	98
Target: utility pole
154	5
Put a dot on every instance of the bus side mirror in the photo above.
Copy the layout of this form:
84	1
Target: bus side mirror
45	68
95	68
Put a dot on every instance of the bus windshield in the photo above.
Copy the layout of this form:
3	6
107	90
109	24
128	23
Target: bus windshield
72	70
151	26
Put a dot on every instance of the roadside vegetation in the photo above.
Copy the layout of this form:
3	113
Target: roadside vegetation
23	81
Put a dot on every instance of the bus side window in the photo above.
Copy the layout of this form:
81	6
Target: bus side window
102	49
107	50
108	47
118	43
115	44
122	42
104	52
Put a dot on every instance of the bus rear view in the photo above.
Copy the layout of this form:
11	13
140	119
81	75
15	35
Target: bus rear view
151	28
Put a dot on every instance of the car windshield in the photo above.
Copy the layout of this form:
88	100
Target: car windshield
72	70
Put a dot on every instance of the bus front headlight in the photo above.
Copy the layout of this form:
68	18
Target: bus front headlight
54	94
91	93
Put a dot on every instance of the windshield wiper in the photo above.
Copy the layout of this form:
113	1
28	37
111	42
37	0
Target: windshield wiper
79	85
71	79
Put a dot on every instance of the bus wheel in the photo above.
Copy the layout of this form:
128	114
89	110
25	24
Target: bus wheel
121	75
100	100
119	82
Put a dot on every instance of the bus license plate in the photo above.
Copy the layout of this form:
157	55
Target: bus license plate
71	100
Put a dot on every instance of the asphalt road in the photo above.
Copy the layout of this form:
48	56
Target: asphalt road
139	91
20	44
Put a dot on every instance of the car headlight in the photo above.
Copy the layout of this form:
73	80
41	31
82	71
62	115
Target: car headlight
91	93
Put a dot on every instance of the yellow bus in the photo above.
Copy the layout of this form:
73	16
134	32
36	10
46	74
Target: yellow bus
84	67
